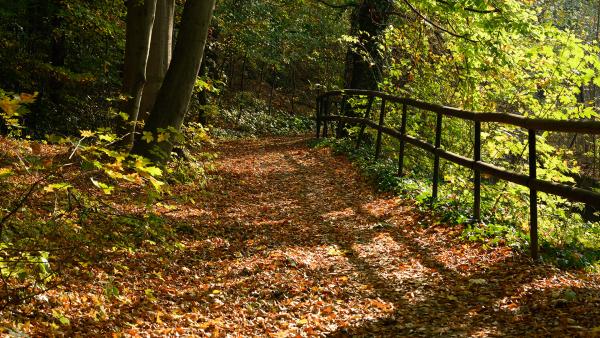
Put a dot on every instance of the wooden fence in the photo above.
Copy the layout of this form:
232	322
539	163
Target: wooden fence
532	125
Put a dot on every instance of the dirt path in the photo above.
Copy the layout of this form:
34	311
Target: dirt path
291	241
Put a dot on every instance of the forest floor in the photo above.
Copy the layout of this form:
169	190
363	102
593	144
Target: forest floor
291	241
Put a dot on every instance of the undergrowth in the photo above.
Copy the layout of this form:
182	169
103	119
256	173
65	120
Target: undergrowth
72	201
252	117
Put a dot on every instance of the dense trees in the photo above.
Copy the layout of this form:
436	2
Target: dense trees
110	99
508	56
538	59
70	52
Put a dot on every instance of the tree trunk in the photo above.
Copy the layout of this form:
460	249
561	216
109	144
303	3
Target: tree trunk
174	95
231	74
272	89
293	73
243	73
140	19
369	20
161	46
364	60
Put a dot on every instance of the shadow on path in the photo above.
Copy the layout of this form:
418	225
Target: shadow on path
291	241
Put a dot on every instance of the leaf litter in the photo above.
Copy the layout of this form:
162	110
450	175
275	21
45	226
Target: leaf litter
290	241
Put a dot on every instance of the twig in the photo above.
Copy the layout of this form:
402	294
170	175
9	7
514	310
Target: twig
20	203
416	11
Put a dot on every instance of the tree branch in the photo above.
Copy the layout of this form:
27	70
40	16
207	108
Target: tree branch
338	6
396	13
416	11
24	197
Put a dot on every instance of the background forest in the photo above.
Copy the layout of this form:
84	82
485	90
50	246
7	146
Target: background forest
63	82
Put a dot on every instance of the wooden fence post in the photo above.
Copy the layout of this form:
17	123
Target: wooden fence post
363	126
402	133
318	106
477	174
342	112
436	159
533	220
379	131
325	115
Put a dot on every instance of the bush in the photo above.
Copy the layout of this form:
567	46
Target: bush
252	118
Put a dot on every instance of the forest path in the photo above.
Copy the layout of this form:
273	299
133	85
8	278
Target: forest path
291	241
297	242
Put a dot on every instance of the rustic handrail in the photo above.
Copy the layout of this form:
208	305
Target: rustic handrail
532	125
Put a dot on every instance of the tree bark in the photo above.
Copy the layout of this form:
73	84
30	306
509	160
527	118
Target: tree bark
174	95
161	46
272	89
364	62
140	19
293	75
243	74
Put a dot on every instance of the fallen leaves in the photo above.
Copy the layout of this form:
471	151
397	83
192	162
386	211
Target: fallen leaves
292	242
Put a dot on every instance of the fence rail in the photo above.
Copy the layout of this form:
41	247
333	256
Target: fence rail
530	181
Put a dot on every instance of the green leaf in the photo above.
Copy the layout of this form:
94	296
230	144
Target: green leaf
154	171
106	189
57	187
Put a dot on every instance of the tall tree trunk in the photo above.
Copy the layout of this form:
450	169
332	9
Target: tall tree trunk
293	73
243	73
364	62
161	46
231	75
272	89
140	19
175	93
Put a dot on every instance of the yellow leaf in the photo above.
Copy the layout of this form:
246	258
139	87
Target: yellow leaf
28	98
87	133
205	325
5	172
147	136
157	184
163	137
8	105
334	251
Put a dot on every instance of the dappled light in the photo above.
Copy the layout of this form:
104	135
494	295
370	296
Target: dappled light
307	247
323	168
